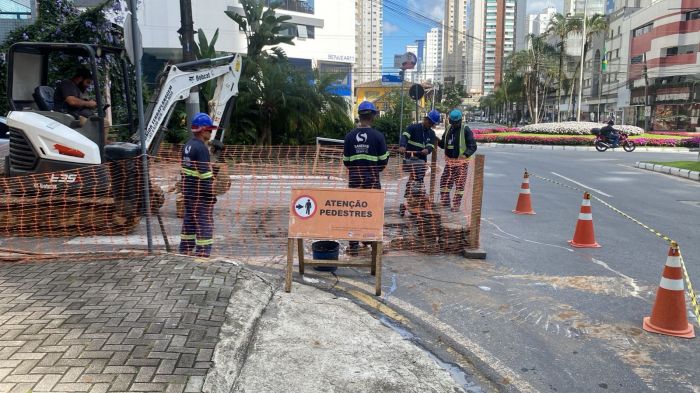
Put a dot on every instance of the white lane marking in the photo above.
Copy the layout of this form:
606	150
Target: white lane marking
582	185
632	283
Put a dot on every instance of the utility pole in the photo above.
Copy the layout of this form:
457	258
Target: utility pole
401	74
646	94
186	32
583	57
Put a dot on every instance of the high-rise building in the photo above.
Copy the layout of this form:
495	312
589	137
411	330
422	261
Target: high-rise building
539	23
499	40
433	55
475	48
455	41
592	7
368	40
521	25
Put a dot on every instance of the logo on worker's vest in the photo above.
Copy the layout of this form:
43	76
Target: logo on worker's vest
305	207
362	137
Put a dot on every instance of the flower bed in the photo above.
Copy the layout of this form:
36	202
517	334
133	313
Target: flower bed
675	133
574	128
493	130
580	140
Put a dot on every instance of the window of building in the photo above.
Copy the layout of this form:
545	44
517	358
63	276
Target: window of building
636	59
692	15
305	6
678	50
619	30
617	53
642	30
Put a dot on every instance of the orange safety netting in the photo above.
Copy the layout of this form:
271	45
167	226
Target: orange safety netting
101	208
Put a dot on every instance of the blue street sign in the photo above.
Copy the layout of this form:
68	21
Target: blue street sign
391	79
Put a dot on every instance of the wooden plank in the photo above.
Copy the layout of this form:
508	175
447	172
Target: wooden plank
378	277
300	245
477	199
373	268
290	263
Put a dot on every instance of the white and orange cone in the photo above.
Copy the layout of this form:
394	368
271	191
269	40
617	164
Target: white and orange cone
669	316
524	205
584	235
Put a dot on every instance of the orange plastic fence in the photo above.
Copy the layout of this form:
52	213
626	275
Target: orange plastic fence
100	208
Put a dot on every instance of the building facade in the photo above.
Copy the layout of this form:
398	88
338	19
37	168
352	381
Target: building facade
15	14
369	22
521	25
592	7
433	55
324	36
454	40
539	23
499	40
474	79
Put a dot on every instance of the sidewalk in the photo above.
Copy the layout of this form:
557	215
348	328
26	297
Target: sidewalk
168	324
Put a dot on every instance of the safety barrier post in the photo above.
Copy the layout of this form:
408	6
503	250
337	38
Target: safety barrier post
475	223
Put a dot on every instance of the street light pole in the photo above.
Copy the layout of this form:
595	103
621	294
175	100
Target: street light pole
583	57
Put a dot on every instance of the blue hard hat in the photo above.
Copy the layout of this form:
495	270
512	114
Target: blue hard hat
456	115
366	107
202	122
434	116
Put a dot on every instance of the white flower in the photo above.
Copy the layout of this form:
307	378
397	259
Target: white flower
575	128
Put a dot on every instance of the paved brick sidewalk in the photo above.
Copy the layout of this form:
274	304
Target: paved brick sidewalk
112	326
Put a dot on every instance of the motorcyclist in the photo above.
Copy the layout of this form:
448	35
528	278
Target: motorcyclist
612	135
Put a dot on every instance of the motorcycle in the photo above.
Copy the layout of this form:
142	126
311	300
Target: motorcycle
602	144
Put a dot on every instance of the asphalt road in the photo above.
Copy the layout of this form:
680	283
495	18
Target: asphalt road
550	317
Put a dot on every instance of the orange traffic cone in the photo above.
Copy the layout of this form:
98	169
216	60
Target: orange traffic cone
669	316
584	235
524	205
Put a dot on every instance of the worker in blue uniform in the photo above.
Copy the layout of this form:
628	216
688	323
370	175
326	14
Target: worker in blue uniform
364	154
416	144
460	146
198	190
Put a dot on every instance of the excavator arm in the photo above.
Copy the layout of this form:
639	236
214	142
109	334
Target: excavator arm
177	80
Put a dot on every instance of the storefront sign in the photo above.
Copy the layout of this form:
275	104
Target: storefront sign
337	214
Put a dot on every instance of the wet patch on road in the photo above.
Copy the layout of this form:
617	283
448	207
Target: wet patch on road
593	284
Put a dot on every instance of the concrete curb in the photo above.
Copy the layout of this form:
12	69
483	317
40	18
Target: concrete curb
684	173
584	148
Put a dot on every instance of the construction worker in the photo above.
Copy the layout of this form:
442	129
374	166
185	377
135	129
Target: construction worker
365	155
416	144
459	145
198	190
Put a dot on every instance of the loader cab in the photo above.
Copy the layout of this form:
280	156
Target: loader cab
34	71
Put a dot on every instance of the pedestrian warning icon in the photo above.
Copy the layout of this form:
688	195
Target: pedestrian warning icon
305	207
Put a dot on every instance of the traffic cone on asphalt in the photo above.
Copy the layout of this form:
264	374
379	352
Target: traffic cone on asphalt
584	235
524	205
669	316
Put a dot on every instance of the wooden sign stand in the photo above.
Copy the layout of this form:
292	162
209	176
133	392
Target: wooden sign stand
375	263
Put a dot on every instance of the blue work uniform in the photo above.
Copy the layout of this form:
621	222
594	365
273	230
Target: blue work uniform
459	145
365	155
199	197
415	139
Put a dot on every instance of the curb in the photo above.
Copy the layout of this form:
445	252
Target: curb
684	173
583	148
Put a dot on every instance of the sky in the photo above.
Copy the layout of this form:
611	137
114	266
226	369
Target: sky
400	30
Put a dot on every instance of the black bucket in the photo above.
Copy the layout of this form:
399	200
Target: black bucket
325	250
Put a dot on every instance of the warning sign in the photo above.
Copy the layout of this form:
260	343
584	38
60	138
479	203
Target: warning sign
337	214
305	207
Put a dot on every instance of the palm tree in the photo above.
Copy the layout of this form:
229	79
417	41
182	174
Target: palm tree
560	27
535	66
594	25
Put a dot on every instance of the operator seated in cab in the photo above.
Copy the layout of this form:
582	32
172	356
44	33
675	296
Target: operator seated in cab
70	96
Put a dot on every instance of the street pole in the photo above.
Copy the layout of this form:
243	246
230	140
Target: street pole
136	44
186	31
583	56
401	74
646	93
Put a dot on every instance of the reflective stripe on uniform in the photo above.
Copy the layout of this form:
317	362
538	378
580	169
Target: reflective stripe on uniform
430	145
407	134
197	174
445	189
366	157
460	192
188	237
416	144
204	242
